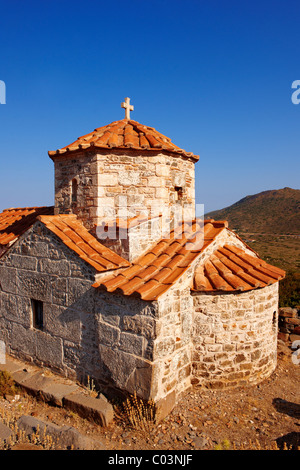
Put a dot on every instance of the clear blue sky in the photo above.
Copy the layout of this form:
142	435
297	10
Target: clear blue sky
214	76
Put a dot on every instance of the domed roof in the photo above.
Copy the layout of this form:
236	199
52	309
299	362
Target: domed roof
124	134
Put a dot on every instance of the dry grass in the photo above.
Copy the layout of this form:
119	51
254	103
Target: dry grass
9	418
7	384
19	437
138	414
256	445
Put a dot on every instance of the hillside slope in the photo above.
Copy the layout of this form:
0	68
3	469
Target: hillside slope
273	212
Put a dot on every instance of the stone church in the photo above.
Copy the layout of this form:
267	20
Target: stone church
121	282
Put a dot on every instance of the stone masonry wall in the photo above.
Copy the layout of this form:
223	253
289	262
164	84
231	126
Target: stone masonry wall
172	346
234	337
175	343
126	331
155	349
108	183
83	168
289	324
134	241
40	267
86	332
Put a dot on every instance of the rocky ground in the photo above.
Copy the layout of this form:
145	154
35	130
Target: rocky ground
266	416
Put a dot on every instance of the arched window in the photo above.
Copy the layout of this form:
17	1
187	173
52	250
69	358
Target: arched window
74	190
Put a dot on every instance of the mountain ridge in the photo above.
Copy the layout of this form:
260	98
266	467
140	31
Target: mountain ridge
274	211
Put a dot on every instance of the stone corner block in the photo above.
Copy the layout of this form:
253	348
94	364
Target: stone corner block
165	406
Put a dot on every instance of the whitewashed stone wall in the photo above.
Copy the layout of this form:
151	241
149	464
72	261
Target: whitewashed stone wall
234	337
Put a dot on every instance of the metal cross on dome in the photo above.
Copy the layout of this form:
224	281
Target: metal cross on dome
128	107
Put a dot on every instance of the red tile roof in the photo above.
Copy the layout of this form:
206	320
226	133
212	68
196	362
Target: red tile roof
14	222
74	235
229	268
126	224
124	134
155	272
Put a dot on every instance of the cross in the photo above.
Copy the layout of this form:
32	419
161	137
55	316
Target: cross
128	107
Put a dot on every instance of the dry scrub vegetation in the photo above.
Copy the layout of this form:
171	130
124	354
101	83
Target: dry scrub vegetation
262	417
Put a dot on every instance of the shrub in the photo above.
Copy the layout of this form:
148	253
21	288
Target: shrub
7	384
289	290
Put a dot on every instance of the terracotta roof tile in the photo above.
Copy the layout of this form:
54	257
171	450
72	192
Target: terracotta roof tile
128	223
201	280
73	234
155	272
175	261
230	268
124	134
16	221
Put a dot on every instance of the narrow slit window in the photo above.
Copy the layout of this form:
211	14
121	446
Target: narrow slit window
179	192
37	314
74	190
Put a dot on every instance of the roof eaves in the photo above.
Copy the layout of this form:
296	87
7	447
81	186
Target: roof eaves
74	235
169	259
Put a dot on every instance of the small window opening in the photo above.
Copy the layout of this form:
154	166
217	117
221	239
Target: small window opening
274	319
37	314
179	192
74	190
